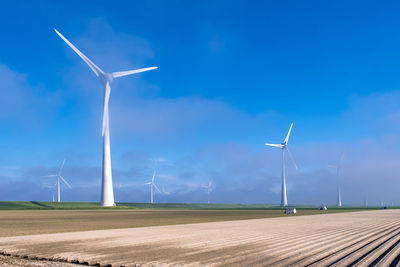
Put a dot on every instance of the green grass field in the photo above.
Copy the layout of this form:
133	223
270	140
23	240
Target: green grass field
40	205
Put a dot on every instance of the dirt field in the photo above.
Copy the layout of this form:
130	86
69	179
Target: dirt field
342	239
18	262
54	221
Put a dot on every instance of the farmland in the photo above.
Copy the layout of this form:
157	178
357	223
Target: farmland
339	239
25	218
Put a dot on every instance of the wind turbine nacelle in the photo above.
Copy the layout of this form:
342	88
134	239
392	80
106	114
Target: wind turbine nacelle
106	78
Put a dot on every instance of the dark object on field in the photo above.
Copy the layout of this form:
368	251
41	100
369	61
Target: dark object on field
384	207
323	208
290	211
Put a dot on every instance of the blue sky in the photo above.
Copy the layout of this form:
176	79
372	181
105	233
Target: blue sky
232	75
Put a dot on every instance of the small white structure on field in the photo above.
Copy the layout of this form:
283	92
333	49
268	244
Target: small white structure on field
323	208
290	211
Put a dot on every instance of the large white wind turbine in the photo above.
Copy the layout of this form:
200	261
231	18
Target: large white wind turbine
60	178
284	147
107	194
338	168
209	190
153	185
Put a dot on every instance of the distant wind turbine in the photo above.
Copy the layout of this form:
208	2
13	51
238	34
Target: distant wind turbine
338	168
52	187
209	190
119	186
284	147
152	185
164	192
107	193
60	178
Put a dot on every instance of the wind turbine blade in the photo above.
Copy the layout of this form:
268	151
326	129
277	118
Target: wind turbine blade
157	188
65	182
274	145
148	183
93	66
292	158
341	159
154	174
105	111
61	167
51	175
288	134
130	72
165	192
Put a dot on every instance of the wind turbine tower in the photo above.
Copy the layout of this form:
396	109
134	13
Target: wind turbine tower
59	179
338	168
119	186
209	190
107	193
284	147
153	185
52	187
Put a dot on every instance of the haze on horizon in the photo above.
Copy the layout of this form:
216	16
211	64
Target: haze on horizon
232	76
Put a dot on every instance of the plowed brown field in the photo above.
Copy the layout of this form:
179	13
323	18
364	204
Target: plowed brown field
344	239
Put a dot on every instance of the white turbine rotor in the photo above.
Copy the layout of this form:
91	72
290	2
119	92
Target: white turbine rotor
157	188
93	66
65	182
274	145
105	108
61	167
130	72
292	158
288	134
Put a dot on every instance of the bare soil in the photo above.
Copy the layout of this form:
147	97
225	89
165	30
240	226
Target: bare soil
16	261
342	239
28	222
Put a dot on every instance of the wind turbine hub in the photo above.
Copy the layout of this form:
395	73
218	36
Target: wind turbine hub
106	78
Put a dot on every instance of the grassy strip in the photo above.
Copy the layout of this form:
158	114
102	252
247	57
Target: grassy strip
39	205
